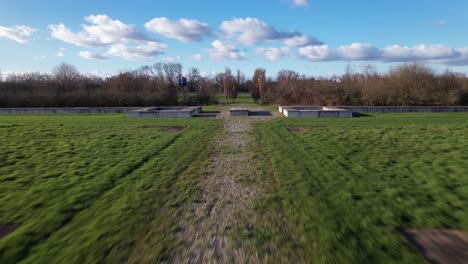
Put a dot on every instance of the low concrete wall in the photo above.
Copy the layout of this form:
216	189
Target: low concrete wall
100	110
342	113
392	109
406	109
281	108
314	112
68	110
291	112
165	112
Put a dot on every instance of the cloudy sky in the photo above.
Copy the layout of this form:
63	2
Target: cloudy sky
314	37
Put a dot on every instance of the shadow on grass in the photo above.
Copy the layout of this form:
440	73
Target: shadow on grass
361	115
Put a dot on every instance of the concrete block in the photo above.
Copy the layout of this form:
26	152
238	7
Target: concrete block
315	112
309	113
289	112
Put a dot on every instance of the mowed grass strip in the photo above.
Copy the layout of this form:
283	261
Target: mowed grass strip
86	188
351	185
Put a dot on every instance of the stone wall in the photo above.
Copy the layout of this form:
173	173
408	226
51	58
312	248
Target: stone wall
68	110
406	109
393	109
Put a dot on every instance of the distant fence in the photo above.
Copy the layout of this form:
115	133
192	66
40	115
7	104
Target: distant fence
68	110
406	109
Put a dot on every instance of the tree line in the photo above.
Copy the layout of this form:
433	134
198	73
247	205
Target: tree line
403	85
158	84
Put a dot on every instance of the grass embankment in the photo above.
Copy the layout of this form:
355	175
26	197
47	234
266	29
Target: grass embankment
96	188
350	186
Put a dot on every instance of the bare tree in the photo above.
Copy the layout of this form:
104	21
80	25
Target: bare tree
370	88
240	81
449	88
66	73
194	80
262	85
406	84
259	85
66	76
172	72
254	87
1	79
159	72
219	82
412	84
229	85
285	75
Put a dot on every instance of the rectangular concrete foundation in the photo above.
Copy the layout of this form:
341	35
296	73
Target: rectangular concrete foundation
391	109
314	112
165	112
239	111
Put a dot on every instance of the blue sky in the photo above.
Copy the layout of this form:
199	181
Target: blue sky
314	37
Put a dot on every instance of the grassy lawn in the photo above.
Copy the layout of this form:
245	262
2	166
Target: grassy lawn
351	185
105	188
243	99
93	188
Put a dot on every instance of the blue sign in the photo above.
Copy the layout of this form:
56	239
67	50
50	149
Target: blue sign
183	81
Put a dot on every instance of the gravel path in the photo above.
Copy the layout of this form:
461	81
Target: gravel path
224	196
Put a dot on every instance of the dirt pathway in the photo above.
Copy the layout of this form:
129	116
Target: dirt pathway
226	195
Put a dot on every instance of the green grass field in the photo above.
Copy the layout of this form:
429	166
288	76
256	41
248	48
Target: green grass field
350	186
105	188
243	99
90	188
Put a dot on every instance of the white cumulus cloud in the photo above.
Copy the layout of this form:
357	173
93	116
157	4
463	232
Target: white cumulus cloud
421	52
318	53
225	51
142	52
273	54
359	51
124	40
251	31
439	54
185	30
19	34
172	59
460	60
102	30
304	3
299	41
91	56
441	22
196	57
